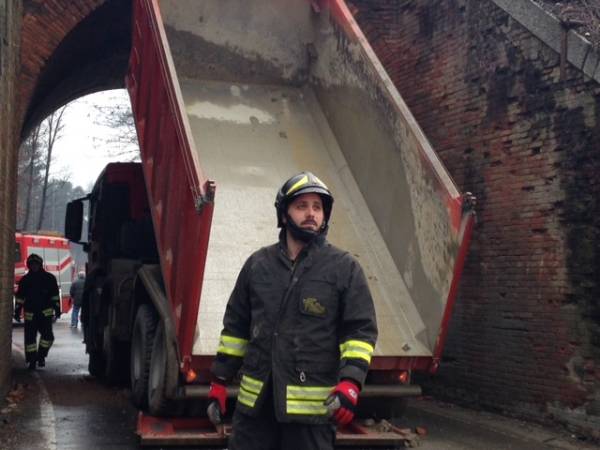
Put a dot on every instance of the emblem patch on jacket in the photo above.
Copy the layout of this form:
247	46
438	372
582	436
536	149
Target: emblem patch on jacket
312	306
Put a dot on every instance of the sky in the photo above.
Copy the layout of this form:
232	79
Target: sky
80	152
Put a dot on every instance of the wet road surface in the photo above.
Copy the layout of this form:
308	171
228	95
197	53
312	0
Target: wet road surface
62	407
65	408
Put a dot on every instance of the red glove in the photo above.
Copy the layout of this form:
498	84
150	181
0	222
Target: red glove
342	402
218	397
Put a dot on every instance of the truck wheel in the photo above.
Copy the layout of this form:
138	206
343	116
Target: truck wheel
96	364
115	361
144	329
93	332
158	403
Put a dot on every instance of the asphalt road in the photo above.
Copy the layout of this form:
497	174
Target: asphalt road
62	407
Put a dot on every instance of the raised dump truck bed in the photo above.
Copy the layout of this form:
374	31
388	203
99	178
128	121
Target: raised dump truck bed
250	138
233	97
266	89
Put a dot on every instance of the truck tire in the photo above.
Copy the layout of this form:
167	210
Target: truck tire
158	403
93	330
115	359
96	364
144	329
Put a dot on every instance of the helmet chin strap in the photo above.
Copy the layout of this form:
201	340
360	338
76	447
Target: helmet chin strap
299	233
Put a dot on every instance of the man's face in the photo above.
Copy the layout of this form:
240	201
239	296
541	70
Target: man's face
33	266
306	211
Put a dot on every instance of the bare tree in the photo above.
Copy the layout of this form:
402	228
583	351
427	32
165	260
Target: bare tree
54	127
120	139
28	169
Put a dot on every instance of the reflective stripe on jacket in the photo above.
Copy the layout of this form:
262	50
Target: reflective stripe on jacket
297	329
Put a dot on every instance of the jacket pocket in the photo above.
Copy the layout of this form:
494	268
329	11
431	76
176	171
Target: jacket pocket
318	298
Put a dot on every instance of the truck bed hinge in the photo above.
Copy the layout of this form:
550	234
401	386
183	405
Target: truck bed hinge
208	197
469	203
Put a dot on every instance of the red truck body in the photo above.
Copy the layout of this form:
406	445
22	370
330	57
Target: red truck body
181	237
160	112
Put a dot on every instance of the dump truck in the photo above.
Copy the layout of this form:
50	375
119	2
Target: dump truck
230	98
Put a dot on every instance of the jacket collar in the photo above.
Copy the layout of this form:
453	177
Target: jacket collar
307	252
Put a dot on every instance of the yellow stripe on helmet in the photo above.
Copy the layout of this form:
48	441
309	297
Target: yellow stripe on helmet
297	185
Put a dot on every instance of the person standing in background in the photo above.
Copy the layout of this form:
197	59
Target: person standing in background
76	293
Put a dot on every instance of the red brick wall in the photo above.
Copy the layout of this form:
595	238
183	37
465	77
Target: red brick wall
10	13
45	24
525	336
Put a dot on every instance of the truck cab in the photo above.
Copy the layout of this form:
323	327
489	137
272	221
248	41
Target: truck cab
119	239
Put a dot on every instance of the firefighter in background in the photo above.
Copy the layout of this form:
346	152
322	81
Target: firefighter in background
38	295
300	324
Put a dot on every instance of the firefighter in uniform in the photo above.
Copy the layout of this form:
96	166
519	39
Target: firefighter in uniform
300	324
38	295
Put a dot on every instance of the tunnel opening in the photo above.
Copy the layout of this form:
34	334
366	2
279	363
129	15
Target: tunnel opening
91	58
88	139
59	161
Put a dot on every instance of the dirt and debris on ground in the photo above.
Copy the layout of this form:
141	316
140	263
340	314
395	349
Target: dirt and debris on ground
8	407
581	15
16	394
12	399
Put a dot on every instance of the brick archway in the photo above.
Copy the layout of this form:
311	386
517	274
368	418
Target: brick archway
50	53
90	55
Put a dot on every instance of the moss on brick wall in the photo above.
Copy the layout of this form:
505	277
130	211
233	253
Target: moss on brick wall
525	336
